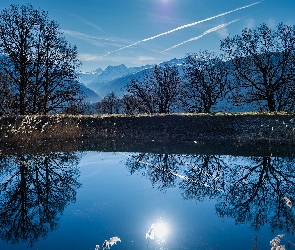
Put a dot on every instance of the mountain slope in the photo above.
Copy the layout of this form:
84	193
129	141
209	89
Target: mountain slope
91	96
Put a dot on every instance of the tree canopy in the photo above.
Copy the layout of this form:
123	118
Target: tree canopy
207	81
37	62
159	90
263	62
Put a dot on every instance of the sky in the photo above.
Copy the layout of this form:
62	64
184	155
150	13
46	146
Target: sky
140	32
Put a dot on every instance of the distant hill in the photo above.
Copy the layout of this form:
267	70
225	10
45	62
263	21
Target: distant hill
91	96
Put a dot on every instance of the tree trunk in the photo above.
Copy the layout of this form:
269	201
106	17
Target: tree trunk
271	103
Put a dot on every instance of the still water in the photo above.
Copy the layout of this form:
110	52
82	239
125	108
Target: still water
78	200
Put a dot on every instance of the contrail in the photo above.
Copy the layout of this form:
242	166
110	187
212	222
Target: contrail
203	34
186	26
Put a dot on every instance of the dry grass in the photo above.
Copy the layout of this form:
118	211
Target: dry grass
180	126
34	127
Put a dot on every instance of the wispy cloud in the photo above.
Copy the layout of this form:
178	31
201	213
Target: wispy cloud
203	34
89	57
93	25
96	41
186	26
133	60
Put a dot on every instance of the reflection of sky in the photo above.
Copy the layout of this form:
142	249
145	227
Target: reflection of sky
113	203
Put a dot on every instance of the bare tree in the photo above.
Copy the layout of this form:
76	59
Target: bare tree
132	105
263	61
159	91
110	104
207	82
77	106
40	63
6	101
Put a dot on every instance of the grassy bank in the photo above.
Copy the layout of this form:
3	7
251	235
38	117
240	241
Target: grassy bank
235	128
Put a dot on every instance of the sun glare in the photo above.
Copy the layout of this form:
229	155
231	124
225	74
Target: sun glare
158	231
161	231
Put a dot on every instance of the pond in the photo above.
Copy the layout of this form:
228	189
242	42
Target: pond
142	200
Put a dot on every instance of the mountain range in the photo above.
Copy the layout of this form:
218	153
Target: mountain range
97	84
115	78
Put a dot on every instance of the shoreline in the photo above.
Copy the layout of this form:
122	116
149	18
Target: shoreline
190	131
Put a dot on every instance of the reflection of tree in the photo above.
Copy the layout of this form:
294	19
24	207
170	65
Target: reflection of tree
204	177
251	190
200	175
34	191
256	193
161	169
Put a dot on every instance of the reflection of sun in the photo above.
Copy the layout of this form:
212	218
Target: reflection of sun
161	230
158	231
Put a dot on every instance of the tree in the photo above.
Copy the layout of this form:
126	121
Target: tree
40	63
207	84
77	106
5	95
159	90
263	61
110	104
132	105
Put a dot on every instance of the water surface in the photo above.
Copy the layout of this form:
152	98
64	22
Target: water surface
78	200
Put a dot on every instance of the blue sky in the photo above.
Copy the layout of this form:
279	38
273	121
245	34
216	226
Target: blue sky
107	32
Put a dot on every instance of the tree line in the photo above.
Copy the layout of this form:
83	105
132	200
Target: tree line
256	69
39	73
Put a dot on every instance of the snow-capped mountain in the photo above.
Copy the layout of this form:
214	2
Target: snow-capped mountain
115	78
88	77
